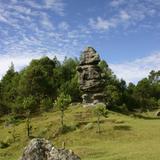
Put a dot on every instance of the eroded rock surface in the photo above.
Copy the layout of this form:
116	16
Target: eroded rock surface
42	149
90	77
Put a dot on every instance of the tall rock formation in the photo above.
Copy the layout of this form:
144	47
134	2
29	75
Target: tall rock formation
90	77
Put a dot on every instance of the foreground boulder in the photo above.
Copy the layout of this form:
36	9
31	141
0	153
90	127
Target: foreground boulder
41	149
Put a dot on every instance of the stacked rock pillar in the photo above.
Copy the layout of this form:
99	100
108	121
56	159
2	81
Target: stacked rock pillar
90	77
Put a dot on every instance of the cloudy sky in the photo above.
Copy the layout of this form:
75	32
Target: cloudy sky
126	33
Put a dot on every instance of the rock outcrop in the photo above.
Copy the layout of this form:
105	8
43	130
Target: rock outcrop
41	149
90	77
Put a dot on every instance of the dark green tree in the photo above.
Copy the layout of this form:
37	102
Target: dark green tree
46	104
69	84
9	89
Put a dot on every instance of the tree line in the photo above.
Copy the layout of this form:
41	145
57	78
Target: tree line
36	87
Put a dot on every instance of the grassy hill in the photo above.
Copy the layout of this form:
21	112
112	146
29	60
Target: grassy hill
122	137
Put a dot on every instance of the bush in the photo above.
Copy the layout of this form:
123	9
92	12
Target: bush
4	109
3	144
46	104
100	110
9	140
12	120
42	132
66	129
30	104
123	108
62	102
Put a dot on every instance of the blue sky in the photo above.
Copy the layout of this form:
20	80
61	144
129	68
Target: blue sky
126	33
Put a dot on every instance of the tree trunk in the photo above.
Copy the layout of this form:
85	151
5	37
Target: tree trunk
62	116
28	124
28	127
13	134
98	123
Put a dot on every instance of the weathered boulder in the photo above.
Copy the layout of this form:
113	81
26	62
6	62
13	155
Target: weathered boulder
42	149
90	77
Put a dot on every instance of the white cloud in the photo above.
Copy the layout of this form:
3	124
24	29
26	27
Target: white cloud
63	25
124	15
2	18
116	3
33	4
127	13
46	22
56	5
136	70
101	24
21	9
14	1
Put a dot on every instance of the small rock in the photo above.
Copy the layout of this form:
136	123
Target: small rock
88	126
158	114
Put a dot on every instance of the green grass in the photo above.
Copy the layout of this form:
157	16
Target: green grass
122	137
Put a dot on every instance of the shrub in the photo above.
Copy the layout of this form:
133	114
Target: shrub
66	129
46	104
30	104
3	144
62	102
42	132
123	108
100	110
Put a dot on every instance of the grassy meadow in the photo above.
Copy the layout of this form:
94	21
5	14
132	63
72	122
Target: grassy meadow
122	137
